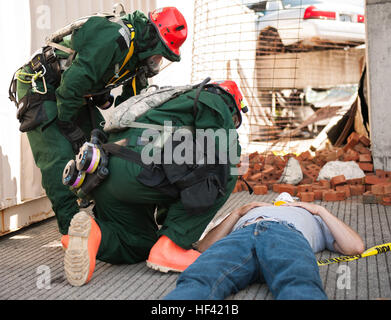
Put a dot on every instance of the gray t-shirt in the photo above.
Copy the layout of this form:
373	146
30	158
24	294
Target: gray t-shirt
312	227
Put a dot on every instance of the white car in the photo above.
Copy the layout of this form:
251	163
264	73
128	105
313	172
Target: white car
308	23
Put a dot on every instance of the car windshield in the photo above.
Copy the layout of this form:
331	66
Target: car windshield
255	5
295	3
260	6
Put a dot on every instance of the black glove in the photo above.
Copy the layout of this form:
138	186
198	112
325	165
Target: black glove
73	134
103	101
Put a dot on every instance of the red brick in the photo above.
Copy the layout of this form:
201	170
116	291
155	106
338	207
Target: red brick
254	160
260	189
304	188
340	195
310	173
337	180
238	187
387	188
257	167
269	159
345	188
365	141
365	158
320	161
361	149
314	167
365	166
356	190
247	175
270	184
256	177
340	152
353	140
325	183
355	181
332	156
334	195
354	136
380	173
319	187
279	162
351	155
318	194
306	196
328	195
291	189
268	173
268	168
378	189
373	180
277	174
307	180
276	187
253	155
304	156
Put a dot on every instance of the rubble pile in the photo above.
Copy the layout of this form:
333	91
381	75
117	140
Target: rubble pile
266	171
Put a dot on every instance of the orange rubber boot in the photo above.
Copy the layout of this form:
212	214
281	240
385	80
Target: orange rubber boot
65	241
80	256
166	256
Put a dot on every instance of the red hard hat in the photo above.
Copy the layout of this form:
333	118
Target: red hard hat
232	88
171	27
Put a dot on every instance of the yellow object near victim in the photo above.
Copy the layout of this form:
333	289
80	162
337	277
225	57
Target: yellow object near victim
369	252
278	203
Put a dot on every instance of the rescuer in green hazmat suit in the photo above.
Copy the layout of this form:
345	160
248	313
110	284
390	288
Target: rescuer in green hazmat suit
57	92
124	229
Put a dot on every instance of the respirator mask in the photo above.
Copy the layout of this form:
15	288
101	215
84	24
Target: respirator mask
152	65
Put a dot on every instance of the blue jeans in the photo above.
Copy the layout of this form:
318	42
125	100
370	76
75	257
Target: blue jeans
266	251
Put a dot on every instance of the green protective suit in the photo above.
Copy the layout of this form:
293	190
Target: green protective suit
100	48
124	207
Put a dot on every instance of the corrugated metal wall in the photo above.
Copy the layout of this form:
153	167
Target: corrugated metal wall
49	15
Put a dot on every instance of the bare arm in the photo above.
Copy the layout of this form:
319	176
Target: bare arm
225	227
347	241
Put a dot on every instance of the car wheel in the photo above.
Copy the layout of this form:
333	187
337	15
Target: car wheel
269	42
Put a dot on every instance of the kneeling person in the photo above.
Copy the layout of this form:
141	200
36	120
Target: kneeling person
186	196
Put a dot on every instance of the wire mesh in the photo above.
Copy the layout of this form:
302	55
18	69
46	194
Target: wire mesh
297	62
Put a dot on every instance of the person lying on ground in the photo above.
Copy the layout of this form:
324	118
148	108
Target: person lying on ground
261	242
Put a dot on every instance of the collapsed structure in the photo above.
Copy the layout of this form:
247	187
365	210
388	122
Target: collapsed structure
265	173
